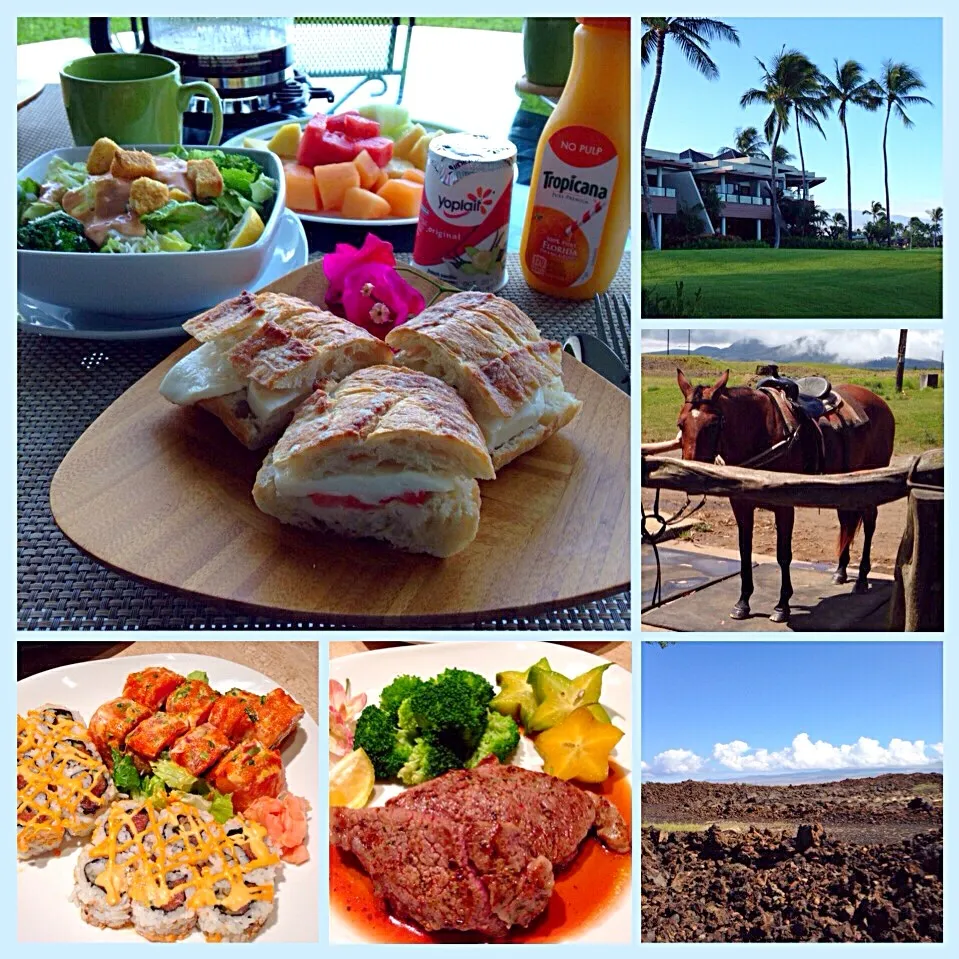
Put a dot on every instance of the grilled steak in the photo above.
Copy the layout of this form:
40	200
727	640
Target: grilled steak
475	849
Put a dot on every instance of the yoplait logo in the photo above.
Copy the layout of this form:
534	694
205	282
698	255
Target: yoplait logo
477	201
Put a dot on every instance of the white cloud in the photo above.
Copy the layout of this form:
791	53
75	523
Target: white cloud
803	753
673	761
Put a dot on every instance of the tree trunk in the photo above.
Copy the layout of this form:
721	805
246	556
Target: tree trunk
901	359
653	93
802	162
885	166
772	183
845	131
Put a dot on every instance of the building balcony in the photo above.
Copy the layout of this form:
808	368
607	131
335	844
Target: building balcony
662	199
745	199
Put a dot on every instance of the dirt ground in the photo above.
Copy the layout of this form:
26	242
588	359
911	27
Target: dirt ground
814	537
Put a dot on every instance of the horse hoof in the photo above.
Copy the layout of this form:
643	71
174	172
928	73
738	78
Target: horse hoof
840	579
780	615
740	611
861	587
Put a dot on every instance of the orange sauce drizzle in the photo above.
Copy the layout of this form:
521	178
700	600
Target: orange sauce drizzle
208	856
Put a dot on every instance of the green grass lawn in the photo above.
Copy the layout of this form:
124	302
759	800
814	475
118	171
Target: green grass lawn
820	284
35	29
918	413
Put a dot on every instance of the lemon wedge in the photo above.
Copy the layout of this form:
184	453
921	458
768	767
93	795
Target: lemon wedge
351	781
247	231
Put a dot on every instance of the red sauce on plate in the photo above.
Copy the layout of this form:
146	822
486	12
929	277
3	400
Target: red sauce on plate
584	890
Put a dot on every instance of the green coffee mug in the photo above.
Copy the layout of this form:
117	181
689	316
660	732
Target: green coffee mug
132	98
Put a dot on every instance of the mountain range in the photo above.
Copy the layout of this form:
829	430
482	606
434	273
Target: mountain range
797	777
810	349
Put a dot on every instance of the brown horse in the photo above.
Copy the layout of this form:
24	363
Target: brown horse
740	426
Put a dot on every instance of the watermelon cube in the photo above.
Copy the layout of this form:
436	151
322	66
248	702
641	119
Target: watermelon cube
360	128
337	121
379	148
328	147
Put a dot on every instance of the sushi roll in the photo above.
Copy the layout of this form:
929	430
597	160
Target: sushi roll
248	772
199	749
113	722
277	716
151	686
168	871
192	699
62	784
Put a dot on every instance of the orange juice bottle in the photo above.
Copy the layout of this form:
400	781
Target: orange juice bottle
578	214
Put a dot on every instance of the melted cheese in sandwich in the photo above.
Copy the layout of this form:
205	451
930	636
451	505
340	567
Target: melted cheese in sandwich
366	487
266	403
500	432
201	375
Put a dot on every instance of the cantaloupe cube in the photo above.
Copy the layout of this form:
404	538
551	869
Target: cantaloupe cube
286	140
382	178
333	180
360	204
301	191
405	143
414	176
403	196
367	168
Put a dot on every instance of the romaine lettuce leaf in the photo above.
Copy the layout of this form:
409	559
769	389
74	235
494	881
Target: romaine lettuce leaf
204	226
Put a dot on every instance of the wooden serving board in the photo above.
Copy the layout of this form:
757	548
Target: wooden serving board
163	493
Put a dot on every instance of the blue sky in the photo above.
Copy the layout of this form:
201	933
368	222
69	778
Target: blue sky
694	112
861	704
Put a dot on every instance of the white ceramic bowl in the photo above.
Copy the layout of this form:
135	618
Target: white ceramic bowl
146	284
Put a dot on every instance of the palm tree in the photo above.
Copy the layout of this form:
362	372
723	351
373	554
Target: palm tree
782	155
782	82
839	226
915	228
897	88
693	36
876	211
749	142
935	223
850	87
810	103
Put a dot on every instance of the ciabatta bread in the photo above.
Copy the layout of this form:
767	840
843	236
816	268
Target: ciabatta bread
492	354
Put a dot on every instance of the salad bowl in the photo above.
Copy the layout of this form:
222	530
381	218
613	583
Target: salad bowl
147	285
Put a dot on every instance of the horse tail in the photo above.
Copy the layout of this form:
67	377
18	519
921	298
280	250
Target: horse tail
847	533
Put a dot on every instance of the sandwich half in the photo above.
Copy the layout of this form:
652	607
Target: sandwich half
261	356
492	354
386	452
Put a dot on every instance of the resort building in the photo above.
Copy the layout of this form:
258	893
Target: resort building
741	182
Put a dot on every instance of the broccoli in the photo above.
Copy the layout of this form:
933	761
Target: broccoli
377	736
500	739
479	688
237	161
55	232
448	711
427	761
401	688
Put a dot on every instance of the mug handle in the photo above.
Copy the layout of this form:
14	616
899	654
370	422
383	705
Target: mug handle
199	88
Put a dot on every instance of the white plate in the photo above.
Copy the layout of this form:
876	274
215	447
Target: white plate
290	252
44	885
370	672
327	219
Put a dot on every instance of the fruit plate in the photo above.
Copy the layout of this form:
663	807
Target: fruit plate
266	131
370	672
44	885
163	493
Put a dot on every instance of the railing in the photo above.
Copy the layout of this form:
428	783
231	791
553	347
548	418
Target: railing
662	191
744	198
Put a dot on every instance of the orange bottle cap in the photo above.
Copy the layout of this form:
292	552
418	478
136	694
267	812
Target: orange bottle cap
609	23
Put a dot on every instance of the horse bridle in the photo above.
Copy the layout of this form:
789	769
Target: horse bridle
774	452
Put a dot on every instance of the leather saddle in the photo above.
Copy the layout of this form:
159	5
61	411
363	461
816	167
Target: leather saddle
810	396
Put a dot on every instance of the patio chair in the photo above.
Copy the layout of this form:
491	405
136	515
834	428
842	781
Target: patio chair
369	48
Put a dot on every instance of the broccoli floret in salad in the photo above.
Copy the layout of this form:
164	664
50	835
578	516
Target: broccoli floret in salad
55	232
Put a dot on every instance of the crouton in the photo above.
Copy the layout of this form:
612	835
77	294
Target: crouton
132	164
177	194
147	195
205	177
101	156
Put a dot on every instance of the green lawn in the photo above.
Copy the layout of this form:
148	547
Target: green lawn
820	284
34	29
918	413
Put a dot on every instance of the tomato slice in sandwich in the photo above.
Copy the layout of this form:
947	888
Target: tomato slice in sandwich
410	497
